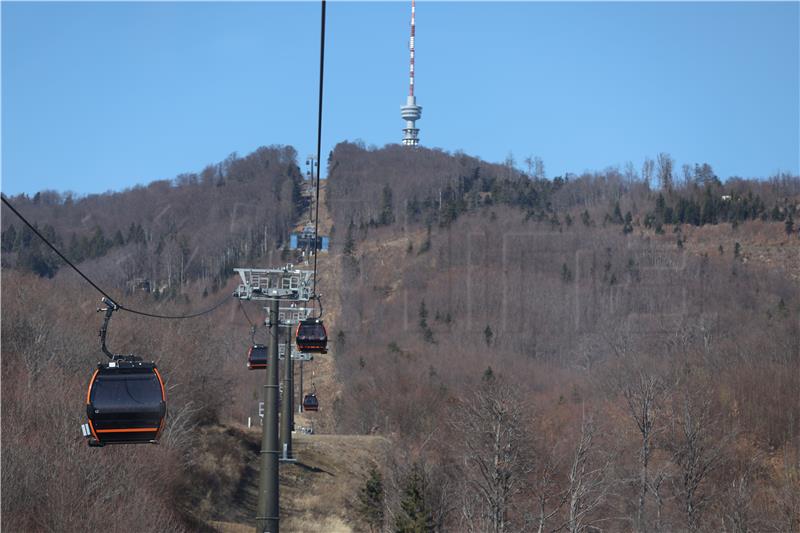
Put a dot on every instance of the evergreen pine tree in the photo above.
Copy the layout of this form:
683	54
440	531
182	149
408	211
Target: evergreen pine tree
427	332
387	209
616	218
426	244
349	241
661	205
98	245
488	334
24	238
39	261
370	500
131	233
141	236
628	227
74	251
9	239
709	214
414	209
415	514
566	273
668	215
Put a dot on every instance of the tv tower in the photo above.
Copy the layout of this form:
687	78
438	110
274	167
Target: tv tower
411	112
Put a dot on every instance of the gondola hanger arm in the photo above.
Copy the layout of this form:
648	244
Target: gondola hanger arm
111	306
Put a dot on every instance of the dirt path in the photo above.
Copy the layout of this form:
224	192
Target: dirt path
318	492
321	373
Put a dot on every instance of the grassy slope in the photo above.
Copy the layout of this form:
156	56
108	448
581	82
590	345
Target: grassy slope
762	243
318	492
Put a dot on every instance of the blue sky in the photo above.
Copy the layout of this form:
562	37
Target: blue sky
99	96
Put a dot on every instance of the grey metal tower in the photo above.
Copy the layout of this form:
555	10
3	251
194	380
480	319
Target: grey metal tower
273	285
411	112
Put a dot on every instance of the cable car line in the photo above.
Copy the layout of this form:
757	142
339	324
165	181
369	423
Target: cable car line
319	139
175	317
118	306
245	313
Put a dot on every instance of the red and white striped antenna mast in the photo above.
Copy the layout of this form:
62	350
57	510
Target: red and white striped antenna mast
411	112
411	49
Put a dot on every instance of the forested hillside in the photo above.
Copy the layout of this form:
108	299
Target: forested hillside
168	248
614	351
380	187
588	351
170	232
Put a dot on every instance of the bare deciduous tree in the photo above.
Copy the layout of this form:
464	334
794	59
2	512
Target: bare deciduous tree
697	449
549	497
587	480
665	164
630	173
538	168
786	493
643	389
647	171
492	429
737	509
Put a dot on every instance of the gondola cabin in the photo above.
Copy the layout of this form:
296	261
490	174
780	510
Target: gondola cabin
257	357
310	402
125	403
311	336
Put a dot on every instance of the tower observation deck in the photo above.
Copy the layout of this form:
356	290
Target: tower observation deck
411	112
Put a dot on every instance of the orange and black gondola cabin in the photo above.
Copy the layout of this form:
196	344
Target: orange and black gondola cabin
311	336
257	357
310	403
125	403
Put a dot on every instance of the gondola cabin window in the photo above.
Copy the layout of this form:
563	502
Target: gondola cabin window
126	392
